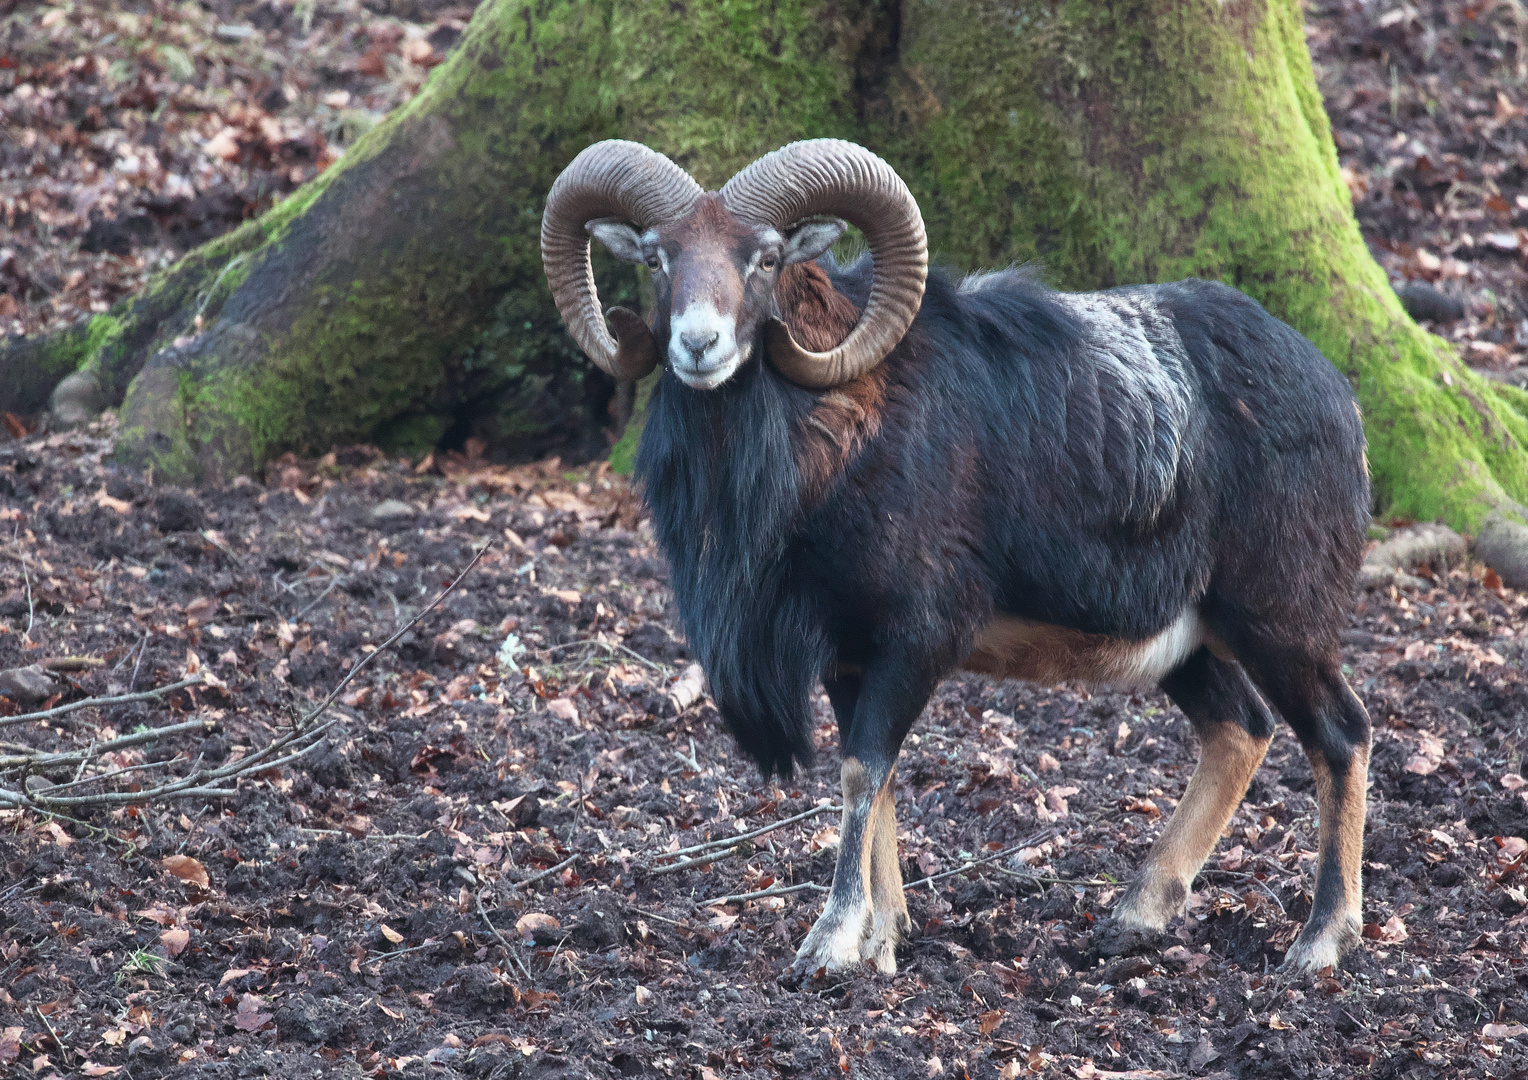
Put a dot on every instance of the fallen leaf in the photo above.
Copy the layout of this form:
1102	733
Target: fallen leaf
175	940
527	925
187	869
118	505
1055	799
643	995
1503	1031
90	1068
224	145
248	1016
1392	932
1045	764
1428	757
234	973
563	709
688	689
391	935
988	1021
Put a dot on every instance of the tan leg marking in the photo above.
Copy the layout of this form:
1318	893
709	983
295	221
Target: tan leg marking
1336	918
1227	761
837	938
889	921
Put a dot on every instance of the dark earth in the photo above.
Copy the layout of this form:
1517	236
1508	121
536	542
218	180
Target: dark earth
337	930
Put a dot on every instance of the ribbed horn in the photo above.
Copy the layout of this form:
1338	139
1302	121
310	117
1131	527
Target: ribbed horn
611	179
830	176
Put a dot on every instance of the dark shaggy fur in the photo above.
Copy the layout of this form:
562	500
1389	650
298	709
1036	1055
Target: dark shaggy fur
1002	460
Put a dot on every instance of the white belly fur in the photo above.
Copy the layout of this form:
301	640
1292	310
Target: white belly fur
1014	648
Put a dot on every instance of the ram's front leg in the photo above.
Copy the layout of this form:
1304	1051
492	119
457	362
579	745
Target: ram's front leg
866	914
837	940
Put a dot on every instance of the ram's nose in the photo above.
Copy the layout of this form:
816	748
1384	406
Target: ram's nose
698	341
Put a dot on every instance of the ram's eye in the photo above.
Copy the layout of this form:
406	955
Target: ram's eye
767	263
654	263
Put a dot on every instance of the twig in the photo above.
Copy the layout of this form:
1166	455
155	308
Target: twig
1091	883
304	737
86	703
335	581
1042	835
548	872
62	1049
37	760
379	957
132	684
728	841
610	646
128	655
503	941
778	890
369	657
699	860
31	610
367	836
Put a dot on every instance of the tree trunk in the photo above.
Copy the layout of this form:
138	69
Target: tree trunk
1114	141
401	292
1122	141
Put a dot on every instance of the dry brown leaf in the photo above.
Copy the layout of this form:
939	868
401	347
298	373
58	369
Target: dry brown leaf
187	869
391	935
175	940
527	925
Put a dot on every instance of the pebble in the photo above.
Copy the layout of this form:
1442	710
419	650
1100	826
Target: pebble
26	684
392	508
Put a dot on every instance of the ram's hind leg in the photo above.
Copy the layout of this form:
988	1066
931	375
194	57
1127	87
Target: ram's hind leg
1234	729
1333	727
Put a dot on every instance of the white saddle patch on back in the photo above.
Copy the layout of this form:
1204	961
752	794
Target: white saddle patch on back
1014	648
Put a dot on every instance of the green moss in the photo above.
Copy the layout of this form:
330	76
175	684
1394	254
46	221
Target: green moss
1114	141
623	455
1120	141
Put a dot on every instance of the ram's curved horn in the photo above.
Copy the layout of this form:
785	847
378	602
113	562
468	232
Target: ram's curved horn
830	176
611	179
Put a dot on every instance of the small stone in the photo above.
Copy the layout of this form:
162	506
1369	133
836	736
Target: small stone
26	685
177	511
1426	303
392	509
76	400
1503	546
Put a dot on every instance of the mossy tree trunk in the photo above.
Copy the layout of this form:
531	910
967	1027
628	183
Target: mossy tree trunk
402	291
1121	141
1115	141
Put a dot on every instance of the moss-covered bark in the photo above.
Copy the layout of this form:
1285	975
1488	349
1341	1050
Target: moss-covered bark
1121	141
1115	141
402	290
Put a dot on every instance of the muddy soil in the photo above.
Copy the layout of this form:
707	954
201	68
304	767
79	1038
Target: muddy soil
529	720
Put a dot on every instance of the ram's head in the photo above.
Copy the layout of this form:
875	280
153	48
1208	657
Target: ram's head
717	257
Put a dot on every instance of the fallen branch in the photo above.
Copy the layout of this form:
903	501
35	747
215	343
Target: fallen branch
971	864
123	699
729	841
305	736
778	890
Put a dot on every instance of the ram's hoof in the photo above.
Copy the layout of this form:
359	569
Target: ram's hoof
1113	939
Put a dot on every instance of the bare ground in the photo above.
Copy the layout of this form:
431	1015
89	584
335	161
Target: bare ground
338	930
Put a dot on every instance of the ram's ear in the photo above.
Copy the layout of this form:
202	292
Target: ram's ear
809	239
621	238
